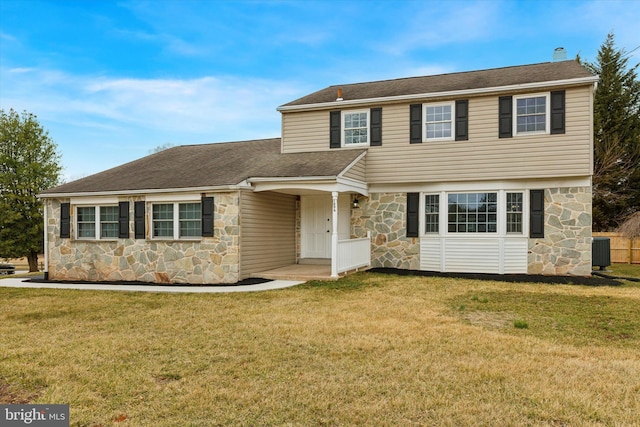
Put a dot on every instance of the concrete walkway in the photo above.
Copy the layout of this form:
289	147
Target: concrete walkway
24	282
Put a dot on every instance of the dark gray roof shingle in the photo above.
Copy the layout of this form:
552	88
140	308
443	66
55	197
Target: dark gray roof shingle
210	165
496	77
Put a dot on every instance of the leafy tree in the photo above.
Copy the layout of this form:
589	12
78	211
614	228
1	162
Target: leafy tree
616	179
29	164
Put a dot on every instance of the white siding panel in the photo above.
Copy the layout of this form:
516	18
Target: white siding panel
515	255
471	255
430	253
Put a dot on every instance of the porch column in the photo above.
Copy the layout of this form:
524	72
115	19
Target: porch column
334	234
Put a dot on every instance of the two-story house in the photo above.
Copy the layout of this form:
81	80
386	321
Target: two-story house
485	171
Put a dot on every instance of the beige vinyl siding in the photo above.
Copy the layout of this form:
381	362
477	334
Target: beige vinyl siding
307	131
357	171
483	157
267	231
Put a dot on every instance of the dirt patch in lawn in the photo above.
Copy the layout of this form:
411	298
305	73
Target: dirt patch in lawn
12	395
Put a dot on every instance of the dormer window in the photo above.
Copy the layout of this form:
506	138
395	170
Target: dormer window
355	127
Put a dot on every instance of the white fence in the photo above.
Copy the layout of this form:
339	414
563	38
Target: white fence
353	253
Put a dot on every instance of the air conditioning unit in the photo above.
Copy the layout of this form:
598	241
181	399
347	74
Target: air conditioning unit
601	252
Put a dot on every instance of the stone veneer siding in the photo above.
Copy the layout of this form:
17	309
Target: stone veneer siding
384	214
566	247
207	261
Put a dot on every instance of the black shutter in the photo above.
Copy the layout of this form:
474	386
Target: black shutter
557	112
335	129
505	117
415	123
413	206
536	214
139	220
207	217
123	220
462	120
376	127
65	220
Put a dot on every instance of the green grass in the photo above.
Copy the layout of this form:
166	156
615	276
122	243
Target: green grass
588	320
625	270
369	349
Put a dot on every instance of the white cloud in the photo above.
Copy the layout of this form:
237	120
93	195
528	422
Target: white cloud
187	105
8	37
120	119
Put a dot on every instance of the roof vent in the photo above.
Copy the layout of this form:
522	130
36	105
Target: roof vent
559	54
339	98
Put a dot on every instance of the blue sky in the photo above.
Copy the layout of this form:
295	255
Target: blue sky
112	80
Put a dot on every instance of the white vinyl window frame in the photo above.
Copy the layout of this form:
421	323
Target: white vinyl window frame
97	223
178	223
502	214
517	114
356	127
440	116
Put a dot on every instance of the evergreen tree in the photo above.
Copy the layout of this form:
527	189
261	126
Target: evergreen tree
616	179
29	164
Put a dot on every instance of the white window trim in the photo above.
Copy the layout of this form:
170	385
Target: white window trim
547	120
452	104
176	220
423	210
97	222
343	130
443	220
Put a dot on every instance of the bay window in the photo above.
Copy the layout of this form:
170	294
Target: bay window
492	212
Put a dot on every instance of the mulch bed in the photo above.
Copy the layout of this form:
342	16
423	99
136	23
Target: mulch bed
245	282
523	278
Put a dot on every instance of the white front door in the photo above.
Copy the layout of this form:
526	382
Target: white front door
316	225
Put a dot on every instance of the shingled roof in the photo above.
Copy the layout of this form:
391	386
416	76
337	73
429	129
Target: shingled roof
211	165
492	78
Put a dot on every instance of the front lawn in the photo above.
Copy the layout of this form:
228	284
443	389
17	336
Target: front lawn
370	349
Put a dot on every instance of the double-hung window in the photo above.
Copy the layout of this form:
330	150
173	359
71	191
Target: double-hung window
531	114
108	222
97	222
355	127
438	121
514	213
176	220
432	213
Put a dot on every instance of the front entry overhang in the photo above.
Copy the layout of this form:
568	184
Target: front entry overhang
308	185
333	185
